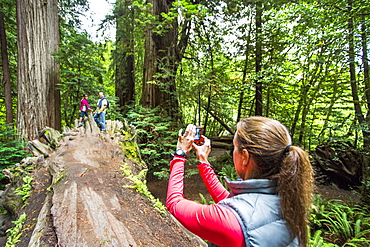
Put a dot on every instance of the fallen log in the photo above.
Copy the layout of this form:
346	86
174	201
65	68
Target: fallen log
80	196
339	163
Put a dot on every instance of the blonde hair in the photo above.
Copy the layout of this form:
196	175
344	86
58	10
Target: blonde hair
269	144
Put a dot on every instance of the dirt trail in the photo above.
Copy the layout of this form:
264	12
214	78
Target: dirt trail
88	203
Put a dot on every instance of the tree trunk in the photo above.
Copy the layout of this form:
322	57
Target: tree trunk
6	71
38	93
212	81
163	53
352	69
124	55
365	61
259	86
366	133
245	67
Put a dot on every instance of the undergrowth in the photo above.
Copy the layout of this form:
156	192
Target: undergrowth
12	150
25	189
140	186
156	138
336	223
15	232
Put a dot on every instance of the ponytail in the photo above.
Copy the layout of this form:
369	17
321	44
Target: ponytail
269	144
295	185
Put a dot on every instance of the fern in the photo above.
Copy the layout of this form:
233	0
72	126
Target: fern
12	149
140	186
15	232
25	189
316	240
344	225
156	138
204	201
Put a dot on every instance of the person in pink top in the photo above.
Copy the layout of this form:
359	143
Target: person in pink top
84	106
269	203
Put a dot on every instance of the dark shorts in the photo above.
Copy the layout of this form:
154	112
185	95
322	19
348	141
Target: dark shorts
83	113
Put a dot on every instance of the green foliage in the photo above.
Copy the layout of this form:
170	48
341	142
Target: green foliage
224	167
204	201
82	71
140	186
318	241
156	137
3	211
25	189
341	224
229	172
12	149
15	232
60	175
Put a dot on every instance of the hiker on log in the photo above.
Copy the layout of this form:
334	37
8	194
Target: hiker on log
99	114
83	108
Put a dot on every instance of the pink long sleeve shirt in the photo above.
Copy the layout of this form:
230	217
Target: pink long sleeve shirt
214	223
84	105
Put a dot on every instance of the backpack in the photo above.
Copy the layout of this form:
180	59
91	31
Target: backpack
108	103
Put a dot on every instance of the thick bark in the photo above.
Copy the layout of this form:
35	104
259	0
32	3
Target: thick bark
38	93
365	62
6	70
124	55
163	53
366	133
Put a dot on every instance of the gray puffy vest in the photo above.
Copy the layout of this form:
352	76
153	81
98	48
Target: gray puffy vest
257	208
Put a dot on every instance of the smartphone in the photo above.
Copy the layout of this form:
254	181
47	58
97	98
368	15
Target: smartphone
198	138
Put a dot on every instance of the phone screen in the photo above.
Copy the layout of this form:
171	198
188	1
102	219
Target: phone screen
198	133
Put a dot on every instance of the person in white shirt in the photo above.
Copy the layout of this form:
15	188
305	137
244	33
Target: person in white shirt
99	114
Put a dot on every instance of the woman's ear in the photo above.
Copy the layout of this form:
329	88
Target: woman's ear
246	156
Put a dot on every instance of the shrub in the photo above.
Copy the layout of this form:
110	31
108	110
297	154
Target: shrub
341	224
15	232
12	150
156	138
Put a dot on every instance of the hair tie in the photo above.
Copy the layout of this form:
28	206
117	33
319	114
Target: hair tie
286	150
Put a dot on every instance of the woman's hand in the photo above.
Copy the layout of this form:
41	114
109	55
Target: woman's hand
203	151
185	142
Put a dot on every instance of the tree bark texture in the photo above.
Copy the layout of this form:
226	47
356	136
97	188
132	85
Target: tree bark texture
38	93
6	70
124	56
365	62
163	53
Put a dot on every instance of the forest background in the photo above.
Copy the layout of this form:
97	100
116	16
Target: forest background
210	63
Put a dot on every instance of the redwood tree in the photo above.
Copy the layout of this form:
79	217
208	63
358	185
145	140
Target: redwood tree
38	94
124	58
164	50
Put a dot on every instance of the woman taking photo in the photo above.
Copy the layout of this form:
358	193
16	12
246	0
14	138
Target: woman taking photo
267	206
